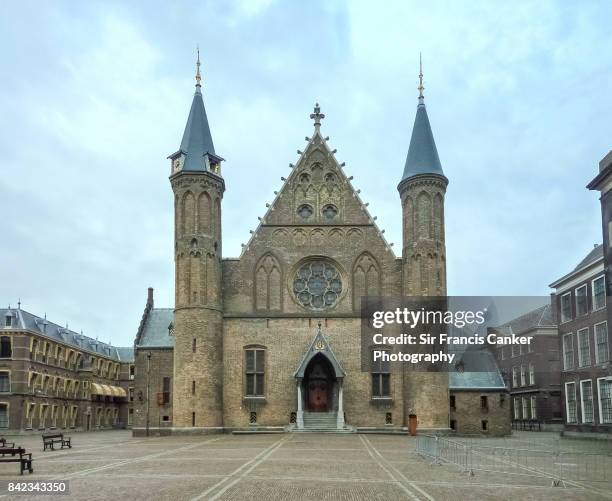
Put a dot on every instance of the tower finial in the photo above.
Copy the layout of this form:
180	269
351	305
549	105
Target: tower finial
420	87
198	77
317	116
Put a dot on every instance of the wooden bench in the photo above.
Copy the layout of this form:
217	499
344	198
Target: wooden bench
4	443
50	440
17	455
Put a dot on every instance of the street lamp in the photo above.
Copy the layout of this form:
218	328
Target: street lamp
148	389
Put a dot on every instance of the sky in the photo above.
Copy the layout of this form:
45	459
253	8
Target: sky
95	95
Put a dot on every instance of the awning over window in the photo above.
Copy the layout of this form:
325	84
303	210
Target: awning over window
107	390
119	392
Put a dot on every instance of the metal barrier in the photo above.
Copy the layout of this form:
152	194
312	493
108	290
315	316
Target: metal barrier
442	450
475	456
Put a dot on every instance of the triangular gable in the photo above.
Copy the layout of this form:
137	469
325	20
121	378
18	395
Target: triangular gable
321	346
303	186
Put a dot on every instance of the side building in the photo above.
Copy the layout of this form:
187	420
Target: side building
532	371
580	307
151	393
478	396
52	378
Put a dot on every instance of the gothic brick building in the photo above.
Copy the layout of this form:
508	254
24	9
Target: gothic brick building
272	338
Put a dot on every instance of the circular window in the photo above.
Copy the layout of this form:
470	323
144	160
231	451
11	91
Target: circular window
329	211
317	285
305	211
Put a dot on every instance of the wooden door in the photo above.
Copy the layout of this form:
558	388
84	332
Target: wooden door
317	395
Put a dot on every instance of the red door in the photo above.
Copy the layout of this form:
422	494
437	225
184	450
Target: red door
317	396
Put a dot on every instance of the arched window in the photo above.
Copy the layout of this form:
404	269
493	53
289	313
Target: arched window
254	371
268	284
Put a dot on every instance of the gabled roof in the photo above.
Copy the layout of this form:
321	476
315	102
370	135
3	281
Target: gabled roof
595	255
24	320
540	317
319	346
156	329
480	372
422	155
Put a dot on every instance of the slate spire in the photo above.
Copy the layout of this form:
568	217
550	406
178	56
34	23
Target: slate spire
422	154
197	143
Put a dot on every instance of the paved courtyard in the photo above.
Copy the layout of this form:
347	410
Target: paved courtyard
113	465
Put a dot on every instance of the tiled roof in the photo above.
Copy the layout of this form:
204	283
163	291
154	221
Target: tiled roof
27	321
480	372
156	329
595	254
540	317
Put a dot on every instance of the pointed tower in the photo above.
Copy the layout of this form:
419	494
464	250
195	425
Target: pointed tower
198	319
422	190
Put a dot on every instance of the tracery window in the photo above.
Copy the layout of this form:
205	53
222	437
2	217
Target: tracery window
317	285
305	211
329	211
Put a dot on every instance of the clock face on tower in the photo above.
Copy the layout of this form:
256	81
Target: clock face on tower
176	164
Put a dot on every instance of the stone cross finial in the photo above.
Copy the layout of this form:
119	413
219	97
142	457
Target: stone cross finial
317	116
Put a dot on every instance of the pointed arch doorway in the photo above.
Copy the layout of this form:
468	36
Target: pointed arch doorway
319	380
319	383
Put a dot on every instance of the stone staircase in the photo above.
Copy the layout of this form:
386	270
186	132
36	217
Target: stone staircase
321	422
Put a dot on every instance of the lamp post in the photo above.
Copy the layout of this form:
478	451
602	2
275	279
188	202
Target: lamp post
148	389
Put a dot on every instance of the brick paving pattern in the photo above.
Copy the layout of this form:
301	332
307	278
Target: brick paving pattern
114	465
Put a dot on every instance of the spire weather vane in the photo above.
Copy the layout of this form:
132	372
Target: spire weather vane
198	77
421	88
317	116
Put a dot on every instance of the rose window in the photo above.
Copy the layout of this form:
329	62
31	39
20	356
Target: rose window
317	285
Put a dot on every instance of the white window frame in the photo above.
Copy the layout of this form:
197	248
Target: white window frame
514	377
534	407
517	408
563	320
565	365
597	360
523	374
8	415
586	298
582	402
588	342
599	379
567	414
600	277
525	403
531	374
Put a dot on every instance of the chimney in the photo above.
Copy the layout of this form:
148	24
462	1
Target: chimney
150	297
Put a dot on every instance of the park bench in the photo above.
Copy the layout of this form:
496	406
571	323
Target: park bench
17	455
50	440
4	443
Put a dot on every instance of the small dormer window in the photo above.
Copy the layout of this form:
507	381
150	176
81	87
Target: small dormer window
8	320
214	167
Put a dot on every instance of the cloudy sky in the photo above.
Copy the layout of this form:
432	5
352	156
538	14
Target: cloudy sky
95	95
